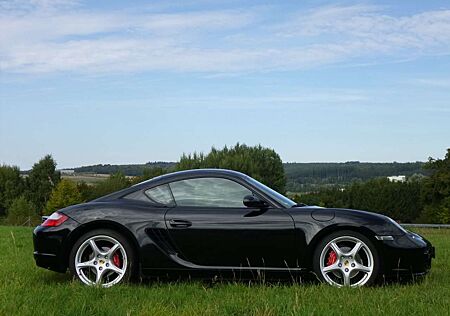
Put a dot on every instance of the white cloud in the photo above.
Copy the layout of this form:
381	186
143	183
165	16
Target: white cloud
53	36
432	82
371	27
303	97
21	6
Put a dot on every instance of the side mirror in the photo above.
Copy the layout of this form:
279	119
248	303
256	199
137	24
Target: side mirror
253	201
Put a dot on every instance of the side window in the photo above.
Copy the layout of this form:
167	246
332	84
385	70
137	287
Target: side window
213	192
160	194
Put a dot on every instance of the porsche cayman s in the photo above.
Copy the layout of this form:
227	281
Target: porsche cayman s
222	222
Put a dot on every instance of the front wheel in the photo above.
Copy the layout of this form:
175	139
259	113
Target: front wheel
101	257
346	258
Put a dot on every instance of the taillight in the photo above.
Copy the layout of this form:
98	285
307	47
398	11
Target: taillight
54	220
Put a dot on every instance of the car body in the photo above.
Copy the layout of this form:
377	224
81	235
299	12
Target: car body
222	221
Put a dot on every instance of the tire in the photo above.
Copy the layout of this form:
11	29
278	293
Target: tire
355	261
102	257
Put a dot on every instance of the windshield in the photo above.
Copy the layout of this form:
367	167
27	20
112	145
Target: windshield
272	193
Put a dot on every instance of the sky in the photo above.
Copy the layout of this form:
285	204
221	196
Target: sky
135	81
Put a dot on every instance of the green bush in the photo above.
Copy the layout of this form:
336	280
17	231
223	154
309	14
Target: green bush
21	212
437	213
436	191
65	194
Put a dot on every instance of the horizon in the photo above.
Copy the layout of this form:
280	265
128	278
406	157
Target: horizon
114	81
284	162
174	162
58	167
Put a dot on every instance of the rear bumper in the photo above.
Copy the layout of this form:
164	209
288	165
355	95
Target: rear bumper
407	255
49	246
49	261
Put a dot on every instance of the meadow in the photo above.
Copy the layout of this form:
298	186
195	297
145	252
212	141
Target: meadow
28	290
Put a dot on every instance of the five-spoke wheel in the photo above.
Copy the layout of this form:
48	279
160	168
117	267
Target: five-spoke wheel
346	259
101	258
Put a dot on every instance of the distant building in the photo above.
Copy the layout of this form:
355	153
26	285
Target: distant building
67	171
397	178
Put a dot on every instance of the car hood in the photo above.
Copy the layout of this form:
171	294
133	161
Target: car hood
379	223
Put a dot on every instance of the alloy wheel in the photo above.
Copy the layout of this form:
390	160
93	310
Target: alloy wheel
346	261
101	260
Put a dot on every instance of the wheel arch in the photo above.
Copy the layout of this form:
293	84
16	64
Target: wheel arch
368	233
99	224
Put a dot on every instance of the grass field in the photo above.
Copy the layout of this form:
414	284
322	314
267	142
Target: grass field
89	178
28	290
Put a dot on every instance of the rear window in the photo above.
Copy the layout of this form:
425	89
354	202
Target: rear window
161	195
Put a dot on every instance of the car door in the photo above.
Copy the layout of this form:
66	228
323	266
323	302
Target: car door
211	227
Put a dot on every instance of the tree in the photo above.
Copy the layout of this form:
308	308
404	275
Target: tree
85	190
21	212
436	190
42	178
11	186
65	194
263	164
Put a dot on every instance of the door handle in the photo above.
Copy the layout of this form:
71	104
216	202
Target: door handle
180	223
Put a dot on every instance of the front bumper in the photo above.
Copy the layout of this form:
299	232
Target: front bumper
49	246
407	255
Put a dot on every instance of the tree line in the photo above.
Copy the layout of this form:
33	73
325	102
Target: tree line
300	177
128	170
421	199
306	177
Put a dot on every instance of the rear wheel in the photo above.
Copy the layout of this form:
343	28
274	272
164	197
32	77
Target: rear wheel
346	258
102	257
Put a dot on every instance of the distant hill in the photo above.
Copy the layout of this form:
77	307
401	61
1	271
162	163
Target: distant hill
301	177
128	170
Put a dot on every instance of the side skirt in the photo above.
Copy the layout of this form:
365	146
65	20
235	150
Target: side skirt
191	265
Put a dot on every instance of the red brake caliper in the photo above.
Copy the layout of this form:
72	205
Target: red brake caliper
116	260
331	258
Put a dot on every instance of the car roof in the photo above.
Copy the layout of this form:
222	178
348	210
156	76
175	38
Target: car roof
193	173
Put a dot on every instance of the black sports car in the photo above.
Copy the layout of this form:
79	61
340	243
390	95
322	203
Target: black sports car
221	221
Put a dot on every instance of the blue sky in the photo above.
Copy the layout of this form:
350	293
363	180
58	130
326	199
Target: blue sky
137	81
